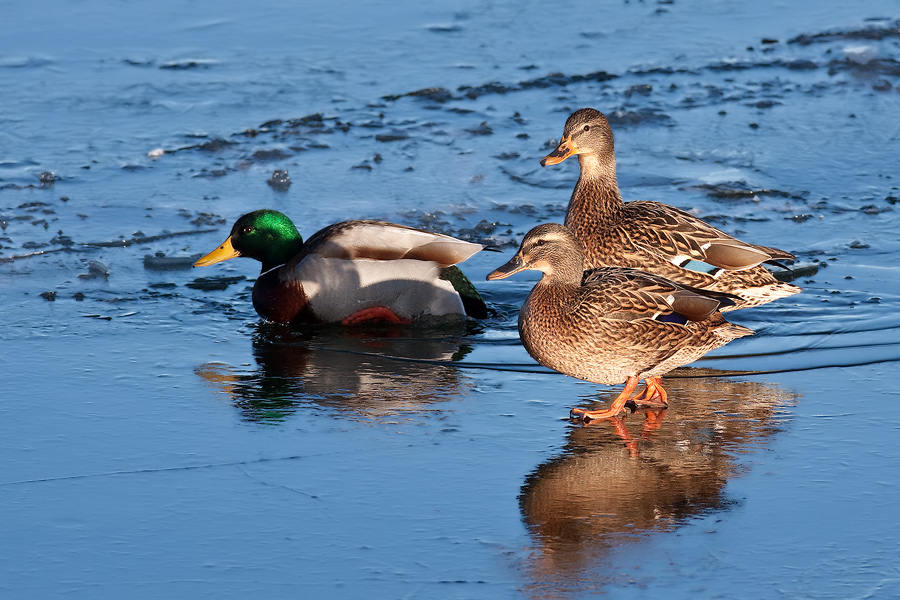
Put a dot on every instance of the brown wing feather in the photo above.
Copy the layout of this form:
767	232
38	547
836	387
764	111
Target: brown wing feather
630	294
379	240
666	230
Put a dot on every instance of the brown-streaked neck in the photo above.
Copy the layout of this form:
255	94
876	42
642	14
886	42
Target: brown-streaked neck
595	202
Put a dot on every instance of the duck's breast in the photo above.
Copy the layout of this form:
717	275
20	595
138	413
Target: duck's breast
281	299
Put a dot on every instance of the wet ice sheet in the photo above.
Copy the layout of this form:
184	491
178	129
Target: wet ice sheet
216	488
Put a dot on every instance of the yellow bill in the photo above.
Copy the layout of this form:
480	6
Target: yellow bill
224	252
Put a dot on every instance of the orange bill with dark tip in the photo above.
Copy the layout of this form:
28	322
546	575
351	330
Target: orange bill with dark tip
514	265
565	149
224	252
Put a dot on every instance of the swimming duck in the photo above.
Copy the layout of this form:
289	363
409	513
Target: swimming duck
652	236
612	325
352	272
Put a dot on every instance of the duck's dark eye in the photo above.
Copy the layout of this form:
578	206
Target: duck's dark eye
587	127
246	230
540	242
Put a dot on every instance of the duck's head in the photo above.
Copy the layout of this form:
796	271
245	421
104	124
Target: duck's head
586	132
266	235
549	248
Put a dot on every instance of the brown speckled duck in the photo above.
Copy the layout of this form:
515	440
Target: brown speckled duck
652	236
352	272
617	325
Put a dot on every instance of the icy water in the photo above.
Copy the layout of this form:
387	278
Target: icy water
158	440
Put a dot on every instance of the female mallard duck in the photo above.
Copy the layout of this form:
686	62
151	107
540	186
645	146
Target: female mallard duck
652	236
351	272
617	325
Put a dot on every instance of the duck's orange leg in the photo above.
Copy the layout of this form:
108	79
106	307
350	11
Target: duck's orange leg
639	399
659	397
375	314
615	408
653	394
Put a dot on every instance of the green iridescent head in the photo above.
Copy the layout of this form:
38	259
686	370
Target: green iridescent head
266	235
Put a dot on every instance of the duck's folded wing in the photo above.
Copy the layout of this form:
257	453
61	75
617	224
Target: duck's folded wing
378	240
630	294
682	237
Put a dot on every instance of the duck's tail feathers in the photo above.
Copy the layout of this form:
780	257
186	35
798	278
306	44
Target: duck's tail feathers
473	303
732	331
762	294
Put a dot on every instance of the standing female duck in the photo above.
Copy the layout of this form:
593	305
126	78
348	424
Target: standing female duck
618	325
652	236
352	272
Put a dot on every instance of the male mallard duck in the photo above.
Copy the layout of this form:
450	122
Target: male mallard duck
617	325
652	236
351	272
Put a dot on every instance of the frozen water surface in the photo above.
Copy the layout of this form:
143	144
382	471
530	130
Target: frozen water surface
157	439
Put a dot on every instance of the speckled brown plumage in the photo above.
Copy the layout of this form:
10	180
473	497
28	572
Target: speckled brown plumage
652	236
612	327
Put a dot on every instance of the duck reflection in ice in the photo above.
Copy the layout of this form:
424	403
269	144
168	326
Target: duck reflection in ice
602	492
377	372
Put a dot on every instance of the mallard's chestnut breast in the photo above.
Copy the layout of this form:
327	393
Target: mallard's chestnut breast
281	301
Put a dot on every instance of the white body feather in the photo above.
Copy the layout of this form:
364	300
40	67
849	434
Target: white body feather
338	287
